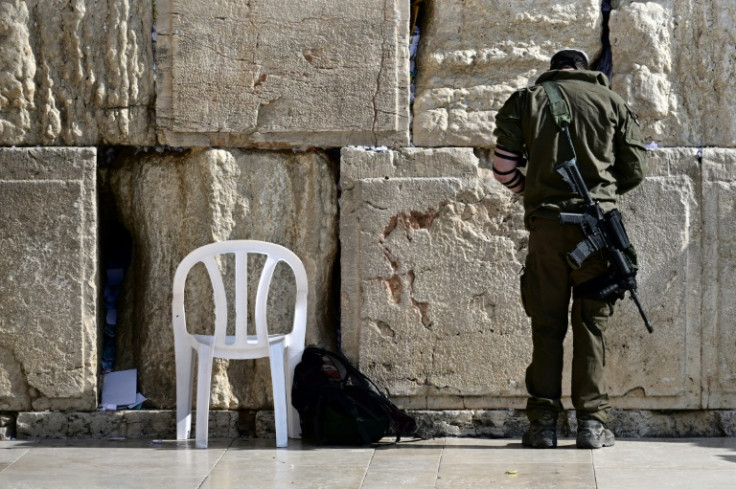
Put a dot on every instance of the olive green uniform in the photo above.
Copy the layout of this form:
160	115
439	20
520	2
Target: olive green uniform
611	158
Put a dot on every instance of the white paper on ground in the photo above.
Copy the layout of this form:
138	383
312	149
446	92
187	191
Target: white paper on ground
119	388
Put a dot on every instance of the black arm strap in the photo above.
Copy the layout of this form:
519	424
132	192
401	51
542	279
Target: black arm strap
518	178
499	172
514	157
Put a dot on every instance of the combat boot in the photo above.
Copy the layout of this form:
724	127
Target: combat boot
542	433
593	434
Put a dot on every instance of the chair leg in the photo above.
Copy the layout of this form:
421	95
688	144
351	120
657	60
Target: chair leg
204	382
184	387
278	381
294	356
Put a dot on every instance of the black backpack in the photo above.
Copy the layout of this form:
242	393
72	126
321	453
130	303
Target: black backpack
339	405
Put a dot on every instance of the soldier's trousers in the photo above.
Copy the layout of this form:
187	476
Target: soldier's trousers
546	290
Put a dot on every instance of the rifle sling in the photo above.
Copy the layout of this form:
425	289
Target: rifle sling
557	104
562	117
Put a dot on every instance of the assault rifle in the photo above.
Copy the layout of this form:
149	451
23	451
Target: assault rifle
602	232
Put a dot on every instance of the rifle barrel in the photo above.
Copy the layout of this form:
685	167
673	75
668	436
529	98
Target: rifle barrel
635	298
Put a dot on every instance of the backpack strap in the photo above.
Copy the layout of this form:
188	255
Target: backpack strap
557	104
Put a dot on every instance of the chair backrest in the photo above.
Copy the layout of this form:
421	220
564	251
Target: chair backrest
241	345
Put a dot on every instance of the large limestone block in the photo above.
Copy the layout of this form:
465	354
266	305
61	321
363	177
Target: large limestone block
432	249
719	277
672	62
175	202
474	53
48	216
76	72
283	73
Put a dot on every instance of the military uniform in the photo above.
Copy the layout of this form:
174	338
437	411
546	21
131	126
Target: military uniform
611	158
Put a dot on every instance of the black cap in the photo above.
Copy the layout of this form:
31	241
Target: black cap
569	58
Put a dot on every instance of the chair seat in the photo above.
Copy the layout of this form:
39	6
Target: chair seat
230	341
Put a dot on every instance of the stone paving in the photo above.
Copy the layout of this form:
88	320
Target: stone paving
442	463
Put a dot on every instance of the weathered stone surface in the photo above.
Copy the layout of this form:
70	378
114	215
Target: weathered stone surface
672	62
474	53
640	424
283	73
628	423
48	334
432	250
175	202
471	423
146	423
719	277
432	247
77	72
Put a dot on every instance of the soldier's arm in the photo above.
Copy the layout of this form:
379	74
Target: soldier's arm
506	169
509	153
631	155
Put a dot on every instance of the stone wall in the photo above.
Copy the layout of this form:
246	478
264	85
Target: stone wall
291	121
48	306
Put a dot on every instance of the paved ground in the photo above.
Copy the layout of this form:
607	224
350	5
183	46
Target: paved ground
451	463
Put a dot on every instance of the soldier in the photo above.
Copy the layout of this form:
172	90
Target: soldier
611	157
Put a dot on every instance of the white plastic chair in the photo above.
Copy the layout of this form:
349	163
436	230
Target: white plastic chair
283	350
